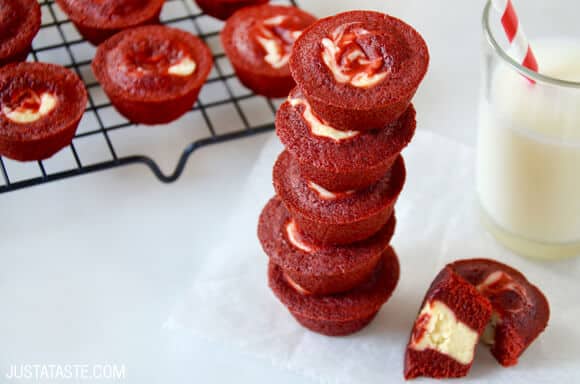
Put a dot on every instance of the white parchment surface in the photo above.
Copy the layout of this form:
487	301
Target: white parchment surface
230	303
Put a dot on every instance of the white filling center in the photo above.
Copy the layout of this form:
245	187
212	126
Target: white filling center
295	238
444	333
296	286
317	126
184	67
367	74
325	193
22	115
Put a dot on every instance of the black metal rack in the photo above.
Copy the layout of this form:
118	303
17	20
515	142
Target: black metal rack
56	28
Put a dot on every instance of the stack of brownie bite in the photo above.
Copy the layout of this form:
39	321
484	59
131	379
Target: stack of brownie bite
328	230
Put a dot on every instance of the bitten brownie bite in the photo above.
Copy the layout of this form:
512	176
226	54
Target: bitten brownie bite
19	23
318	270
340	160
339	314
222	9
152	74
520	310
40	109
453	316
96	21
359	69
258	41
337	217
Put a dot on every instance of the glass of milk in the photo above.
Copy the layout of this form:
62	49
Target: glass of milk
528	172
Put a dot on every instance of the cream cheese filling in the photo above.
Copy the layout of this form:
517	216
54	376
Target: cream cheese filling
296	286
22	115
365	77
184	67
488	335
295	238
277	54
325	193
274	57
317	126
444	333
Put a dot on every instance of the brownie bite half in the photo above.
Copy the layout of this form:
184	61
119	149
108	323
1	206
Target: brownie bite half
520	310
452	318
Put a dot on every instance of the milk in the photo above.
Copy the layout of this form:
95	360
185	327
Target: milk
529	152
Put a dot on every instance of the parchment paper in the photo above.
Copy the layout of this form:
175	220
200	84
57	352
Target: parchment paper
230	303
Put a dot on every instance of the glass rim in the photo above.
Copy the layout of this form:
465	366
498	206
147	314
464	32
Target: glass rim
538	77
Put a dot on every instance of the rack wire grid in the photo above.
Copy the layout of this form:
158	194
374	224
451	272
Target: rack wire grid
225	110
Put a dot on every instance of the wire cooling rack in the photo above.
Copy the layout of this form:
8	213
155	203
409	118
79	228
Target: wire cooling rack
225	111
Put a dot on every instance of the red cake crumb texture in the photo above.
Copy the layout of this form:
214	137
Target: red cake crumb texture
318	269
339	314
223	9
467	306
96	21
40	108
336	161
337	218
258	41
19	23
521	311
152	74
360	69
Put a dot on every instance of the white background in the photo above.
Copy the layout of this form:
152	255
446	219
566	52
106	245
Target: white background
91	267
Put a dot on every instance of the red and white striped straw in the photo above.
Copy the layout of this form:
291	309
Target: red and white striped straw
520	49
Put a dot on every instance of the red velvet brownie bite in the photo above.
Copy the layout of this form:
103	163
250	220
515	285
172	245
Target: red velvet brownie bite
318	270
453	317
40	109
223	9
520	310
340	160
258	41
339	314
360	69
19	23
337	218
152	74
96	21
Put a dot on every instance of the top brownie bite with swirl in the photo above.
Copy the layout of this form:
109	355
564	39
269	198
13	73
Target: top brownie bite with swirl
19	23
152	74
360	69
258	41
